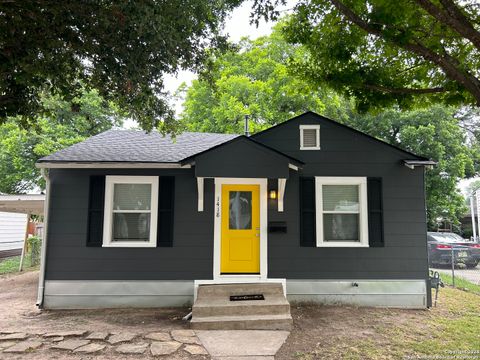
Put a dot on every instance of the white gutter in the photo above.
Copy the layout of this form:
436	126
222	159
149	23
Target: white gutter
43	253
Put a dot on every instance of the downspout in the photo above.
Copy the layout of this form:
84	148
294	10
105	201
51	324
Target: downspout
43	253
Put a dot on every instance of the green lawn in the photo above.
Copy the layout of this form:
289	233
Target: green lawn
448	331
460	283
11	265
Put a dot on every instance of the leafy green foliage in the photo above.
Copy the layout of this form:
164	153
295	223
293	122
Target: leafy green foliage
120	48
21	148
254	80
385	52
434	133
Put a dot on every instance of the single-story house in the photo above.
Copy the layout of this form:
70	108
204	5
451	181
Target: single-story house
328	212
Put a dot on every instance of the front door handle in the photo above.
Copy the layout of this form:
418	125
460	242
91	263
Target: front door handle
257	235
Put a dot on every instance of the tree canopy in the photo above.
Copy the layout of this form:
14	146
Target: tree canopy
21	148
120	48
386	52
253	79
434	133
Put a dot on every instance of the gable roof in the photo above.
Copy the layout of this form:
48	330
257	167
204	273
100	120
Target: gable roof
248	140
322	118
137	146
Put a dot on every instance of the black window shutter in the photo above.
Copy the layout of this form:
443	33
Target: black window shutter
96	205
307	212
166	200
375	212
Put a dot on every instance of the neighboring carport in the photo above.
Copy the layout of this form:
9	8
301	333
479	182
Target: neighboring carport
30	204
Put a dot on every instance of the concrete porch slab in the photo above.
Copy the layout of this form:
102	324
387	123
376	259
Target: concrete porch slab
240	344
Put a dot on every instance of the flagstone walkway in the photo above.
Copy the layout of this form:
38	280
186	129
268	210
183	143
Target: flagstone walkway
221	345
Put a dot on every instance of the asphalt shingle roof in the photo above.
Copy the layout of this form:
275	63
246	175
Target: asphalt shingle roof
137	146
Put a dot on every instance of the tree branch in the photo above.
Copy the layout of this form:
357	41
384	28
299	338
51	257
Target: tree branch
454	18
446	62
404	90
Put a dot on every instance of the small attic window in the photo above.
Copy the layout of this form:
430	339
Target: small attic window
309	137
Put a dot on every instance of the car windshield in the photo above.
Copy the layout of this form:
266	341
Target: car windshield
447	237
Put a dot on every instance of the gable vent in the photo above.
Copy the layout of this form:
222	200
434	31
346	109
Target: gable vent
310	137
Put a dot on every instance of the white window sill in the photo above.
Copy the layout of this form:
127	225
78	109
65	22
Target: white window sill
343	244
309	148
130	245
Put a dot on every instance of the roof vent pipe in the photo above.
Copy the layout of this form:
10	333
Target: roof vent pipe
246	126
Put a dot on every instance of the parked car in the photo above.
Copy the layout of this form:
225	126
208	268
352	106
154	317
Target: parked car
440	246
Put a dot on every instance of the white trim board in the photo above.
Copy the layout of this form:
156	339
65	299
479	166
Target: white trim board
217	276
317	134
361	182
110	181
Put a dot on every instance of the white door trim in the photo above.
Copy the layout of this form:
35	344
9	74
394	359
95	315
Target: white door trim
217	276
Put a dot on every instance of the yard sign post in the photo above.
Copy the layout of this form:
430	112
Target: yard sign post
24	249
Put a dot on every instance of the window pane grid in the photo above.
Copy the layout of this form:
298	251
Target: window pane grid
131	212
340	212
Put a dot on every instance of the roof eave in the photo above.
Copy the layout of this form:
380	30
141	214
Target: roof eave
108	165
412	164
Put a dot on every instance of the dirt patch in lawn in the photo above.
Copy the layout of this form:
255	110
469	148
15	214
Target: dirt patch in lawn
346	332
18	294
320	332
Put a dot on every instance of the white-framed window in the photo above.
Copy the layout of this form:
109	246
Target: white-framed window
131	206
309	137
341	211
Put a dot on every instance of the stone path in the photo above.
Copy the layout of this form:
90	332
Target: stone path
220	345
94	342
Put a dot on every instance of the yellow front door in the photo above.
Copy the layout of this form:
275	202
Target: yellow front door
240	235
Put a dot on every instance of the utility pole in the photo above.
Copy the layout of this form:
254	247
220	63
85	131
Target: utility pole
472	214
477	196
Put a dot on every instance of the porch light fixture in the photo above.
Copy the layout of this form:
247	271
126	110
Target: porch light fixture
272	194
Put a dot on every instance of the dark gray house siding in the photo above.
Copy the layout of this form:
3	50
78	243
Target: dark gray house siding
346	153
68	257
241	158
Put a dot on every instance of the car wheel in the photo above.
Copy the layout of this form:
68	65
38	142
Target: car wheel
472	265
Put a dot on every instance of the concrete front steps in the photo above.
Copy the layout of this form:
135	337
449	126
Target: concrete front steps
213	309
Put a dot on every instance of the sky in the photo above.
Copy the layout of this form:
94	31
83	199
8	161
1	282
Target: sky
237	26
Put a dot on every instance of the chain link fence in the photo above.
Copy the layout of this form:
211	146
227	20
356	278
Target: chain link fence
460	266
34	247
